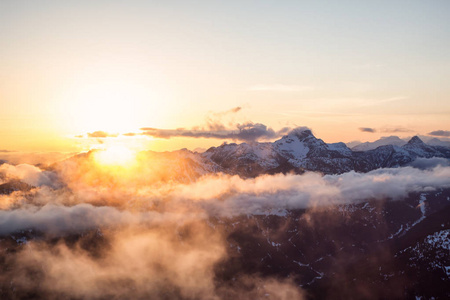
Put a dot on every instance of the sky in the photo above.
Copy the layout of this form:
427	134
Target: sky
349	70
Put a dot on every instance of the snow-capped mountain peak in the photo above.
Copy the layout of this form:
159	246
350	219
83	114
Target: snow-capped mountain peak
300	150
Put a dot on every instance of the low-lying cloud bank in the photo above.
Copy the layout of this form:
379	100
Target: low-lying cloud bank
153	240
232	195
58	220
213	195
29	174
430	163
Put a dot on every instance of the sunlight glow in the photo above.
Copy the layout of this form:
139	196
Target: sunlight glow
115	156
110	103
112	107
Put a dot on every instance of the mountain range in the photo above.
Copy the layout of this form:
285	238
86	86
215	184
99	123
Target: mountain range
297	152
369	249
395	141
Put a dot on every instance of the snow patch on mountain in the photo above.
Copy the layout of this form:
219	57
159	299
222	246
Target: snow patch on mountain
293	148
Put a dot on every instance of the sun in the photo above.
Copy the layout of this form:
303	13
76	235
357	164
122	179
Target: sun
115	156
113	105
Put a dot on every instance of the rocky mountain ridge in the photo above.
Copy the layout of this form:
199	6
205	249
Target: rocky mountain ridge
301	151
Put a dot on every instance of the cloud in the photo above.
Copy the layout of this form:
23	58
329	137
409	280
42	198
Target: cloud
172	262
242	196
371	102
367	129
144	187
254	131
214	121
279	88
248	132
444	133
124	253
228	112
55	219
130	134
120	235
29	174
396	129
214	128
236	109
429	163
278	192
100	134
137	263
214	124
200	198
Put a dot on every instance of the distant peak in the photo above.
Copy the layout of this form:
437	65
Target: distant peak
435	140
415	140
390	138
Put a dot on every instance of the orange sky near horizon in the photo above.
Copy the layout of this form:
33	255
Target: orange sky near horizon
77	67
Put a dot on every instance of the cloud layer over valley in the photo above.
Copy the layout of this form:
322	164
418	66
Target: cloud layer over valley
127	235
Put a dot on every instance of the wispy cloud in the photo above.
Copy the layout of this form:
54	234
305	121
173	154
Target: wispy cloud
130	134
396	129
279	88
319	114
101	134
371	102
230	111
214	121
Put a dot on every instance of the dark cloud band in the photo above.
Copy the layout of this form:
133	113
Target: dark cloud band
248	132
367	129
444	133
